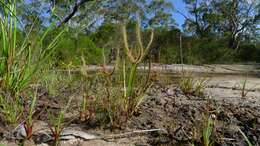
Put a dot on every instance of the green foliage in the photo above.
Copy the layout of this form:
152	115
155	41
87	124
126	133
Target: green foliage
248	52
207	132
72	47
20	61
153	13
211	51
209	34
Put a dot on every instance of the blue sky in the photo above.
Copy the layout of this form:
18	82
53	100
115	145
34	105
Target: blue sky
180	6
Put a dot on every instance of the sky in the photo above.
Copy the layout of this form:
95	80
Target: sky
180	6
177	4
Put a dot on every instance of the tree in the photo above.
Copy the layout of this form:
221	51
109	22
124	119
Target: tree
240	19
154	13
233	19
202	21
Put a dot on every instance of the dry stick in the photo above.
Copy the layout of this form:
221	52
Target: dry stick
122	135
228	139
181	53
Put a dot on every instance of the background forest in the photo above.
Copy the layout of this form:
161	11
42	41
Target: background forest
214	31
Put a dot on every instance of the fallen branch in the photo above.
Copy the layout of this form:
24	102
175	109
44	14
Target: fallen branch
122	135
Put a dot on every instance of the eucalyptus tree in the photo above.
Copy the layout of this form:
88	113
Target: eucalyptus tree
240	19
231	19
153	13
202	21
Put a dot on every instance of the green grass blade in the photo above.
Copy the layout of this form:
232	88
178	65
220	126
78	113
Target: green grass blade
245	137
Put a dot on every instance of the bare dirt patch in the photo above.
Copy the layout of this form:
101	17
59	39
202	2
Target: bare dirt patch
173	117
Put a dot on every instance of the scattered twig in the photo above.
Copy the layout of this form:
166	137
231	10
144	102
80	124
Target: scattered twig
122	135
228	139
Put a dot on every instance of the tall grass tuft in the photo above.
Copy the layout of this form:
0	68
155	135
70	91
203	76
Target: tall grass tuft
20	59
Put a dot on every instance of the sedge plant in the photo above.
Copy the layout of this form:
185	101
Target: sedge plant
28	124
57	123
207	132
21	59
244	91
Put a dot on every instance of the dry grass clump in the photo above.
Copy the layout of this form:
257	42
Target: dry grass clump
191	85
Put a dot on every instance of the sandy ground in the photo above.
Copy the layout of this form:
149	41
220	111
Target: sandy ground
229	88
182	117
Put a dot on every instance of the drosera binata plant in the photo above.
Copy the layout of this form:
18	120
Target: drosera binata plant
133	93
123	101
135	60
121	88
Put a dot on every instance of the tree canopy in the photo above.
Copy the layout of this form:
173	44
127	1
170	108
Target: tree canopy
214	30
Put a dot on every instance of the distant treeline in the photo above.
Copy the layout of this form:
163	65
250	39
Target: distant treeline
222	31
169	46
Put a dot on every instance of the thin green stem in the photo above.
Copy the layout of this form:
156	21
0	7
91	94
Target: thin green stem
131	80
